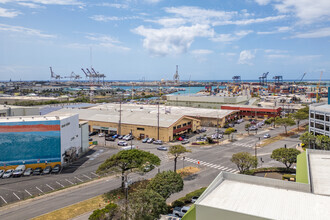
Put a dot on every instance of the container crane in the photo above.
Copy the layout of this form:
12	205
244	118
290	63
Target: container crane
53	75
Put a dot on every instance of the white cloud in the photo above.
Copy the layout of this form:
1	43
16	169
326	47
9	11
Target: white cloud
105	41
7	13
201	52
23	30
262	2
165	41
30	5
169	22
152	1
113	5
231	37
323	32
246	57
250	21
277	31
229	54
45	2
104	18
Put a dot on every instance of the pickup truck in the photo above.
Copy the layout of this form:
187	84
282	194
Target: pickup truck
178	211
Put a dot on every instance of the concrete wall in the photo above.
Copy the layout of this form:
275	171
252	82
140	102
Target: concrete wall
70	134
84	136
22	111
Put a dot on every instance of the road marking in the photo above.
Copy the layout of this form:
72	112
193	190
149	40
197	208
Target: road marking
78	179
28	192
59	184
39	189
69	181
4	200
95	174
17	196
50	187
215	166
87	176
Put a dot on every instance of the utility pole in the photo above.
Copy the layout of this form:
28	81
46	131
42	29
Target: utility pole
158	117
131	139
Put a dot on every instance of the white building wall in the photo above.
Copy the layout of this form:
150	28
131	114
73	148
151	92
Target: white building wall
84	136
70	134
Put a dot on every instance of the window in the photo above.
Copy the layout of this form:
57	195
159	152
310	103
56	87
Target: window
189	123
327	118
319	126
312	115
319	117
327	128
140	129
184	124
179	126
312	124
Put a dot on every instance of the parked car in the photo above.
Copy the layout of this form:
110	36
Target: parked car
8	173
194	199
267	136
47	170
92	133
129	147
101	134
148	167
19	170
110	139
240	120
180	138
162	148
37	171
122	143
115	136
178	211
1	173
150	140
120	137
28	172
128	137
145	140
158	142
185	141
56	168
90	139
203	130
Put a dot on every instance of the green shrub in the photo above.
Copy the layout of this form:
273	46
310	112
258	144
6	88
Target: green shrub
187	198
178	203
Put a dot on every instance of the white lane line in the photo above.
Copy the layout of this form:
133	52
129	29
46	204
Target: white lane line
87	176
236	171
50	187
39	189
28	192
3	199
78	179
95	174
69	181
59	184
17	196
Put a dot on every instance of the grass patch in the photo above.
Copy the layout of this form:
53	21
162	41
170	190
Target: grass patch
75	209
187	171
271	140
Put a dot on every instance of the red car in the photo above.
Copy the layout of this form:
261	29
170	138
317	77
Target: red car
180	139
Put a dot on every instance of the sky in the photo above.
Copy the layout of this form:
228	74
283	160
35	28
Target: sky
146	39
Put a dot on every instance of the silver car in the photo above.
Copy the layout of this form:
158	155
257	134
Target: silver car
8	173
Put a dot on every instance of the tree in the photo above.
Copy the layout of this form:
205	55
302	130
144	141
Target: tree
285	122
301	114
287	156
307	138
166	183
176	151
128	159
146	204
229	131
323	142
244	161
107	213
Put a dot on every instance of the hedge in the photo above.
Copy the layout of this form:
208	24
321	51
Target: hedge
270	169
187	198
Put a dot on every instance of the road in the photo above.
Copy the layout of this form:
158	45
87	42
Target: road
212	160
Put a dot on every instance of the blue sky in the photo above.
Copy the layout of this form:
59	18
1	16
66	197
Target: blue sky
136	39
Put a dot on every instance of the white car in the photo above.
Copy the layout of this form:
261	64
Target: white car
8	173
101	134
129	147
267	136
122	143
1	173
19	170
178	211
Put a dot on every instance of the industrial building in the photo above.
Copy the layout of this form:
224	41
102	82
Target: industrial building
40	140
13	100
143	121
319	119
11	110
203	101
254	111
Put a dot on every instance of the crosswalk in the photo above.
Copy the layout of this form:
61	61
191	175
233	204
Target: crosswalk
243	144
215	166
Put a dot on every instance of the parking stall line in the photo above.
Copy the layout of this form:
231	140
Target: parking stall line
39	189
3	199
87	176
78	179
17	196
95	174
50	187
28	192
69	181
59	184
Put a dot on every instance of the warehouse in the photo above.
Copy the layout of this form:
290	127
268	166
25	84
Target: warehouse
254	111
142	120
39	140
11	110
